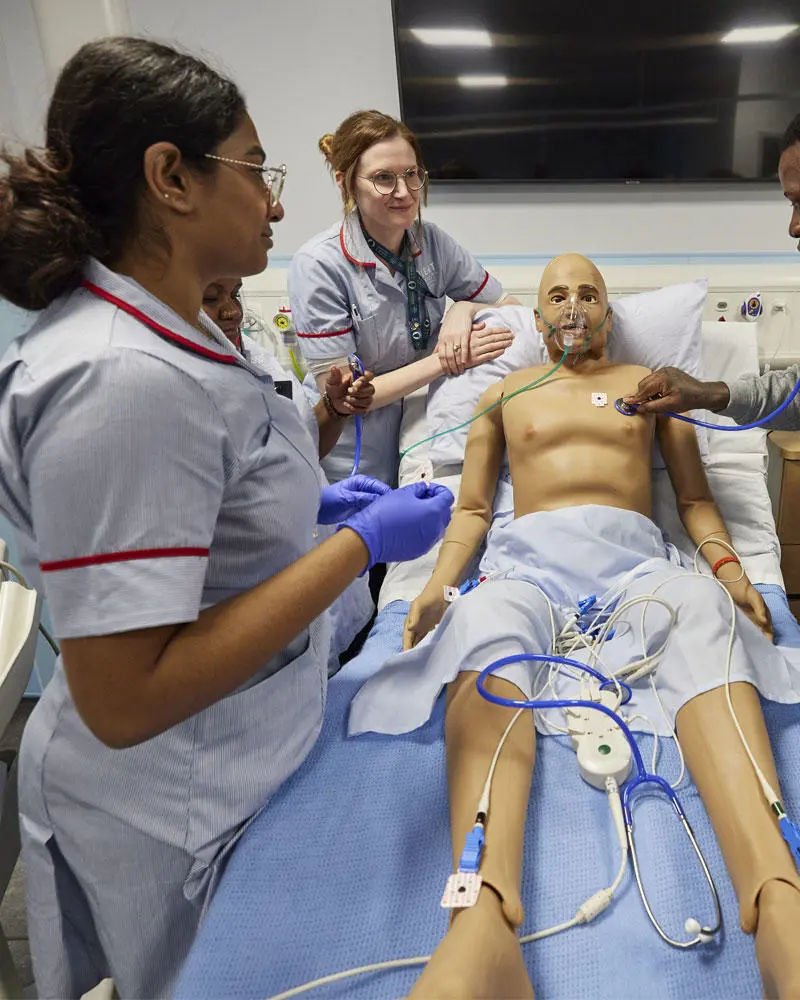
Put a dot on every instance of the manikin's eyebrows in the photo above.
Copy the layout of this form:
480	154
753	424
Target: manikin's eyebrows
585	287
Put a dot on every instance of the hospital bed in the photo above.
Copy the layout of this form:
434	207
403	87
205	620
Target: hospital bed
346	865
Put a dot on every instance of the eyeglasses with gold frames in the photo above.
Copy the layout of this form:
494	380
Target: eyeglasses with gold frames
273	178
385	181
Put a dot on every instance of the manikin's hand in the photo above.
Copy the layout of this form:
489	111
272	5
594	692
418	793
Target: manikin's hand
424	615
670	389
454	334
347	396
484	345
750	601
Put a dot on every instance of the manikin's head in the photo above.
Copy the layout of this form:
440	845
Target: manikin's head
573	310
789	173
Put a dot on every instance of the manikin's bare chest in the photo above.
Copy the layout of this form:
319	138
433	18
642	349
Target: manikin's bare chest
576	412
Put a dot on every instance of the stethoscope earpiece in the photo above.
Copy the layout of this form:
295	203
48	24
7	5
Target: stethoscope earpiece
703	934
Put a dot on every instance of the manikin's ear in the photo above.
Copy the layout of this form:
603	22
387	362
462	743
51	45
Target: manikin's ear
339	178
538	320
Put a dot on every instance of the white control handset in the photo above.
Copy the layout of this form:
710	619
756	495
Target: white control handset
602	749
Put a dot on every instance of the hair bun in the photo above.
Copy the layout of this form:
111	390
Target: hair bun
326	145
45	237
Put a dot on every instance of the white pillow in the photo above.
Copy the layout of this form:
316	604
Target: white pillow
652	328
731	350
451	401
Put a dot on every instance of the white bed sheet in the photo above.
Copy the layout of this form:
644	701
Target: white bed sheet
736	469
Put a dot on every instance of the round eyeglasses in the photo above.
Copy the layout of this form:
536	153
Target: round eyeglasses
273	178
385	181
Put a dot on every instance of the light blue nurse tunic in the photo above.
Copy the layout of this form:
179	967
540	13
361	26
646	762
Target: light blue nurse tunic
345	300
352	610
151	471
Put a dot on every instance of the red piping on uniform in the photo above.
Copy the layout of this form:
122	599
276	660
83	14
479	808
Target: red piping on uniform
361	263
479	289
333	333
110	557
137	314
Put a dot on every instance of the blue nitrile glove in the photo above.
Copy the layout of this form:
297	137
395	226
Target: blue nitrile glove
405	523
342	500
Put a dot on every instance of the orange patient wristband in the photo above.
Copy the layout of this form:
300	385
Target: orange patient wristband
724	561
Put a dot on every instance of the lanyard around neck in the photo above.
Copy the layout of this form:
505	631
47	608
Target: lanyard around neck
419	324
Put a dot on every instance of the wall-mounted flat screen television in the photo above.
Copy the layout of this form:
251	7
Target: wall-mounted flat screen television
572	91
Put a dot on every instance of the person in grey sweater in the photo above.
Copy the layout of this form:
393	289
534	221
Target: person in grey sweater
753	396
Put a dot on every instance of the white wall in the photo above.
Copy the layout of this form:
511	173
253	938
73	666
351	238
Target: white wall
23	102
306	64
303	65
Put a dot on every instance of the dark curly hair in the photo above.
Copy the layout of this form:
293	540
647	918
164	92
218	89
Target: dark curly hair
79	195
792	134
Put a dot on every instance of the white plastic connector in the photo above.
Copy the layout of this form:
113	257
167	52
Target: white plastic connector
594	906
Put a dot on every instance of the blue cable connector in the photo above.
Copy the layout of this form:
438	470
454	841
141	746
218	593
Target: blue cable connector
470	860
791	834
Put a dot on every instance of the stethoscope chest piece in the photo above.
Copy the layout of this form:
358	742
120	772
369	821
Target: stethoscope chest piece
624	408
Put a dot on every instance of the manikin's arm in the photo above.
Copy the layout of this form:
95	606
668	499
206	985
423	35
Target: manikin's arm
401	382
471	518
482	345
455	331
700	515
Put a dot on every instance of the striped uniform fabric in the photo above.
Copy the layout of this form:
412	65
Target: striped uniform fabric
345	300
151	471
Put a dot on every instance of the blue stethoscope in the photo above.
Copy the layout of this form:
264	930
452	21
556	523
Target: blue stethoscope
702	934
629	410
356	370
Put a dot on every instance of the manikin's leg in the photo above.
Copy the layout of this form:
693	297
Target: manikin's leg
480	955
761	868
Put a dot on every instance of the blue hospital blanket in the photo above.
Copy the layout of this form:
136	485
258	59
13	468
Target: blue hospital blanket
346	866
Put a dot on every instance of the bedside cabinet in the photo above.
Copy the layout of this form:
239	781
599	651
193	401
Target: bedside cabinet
784	487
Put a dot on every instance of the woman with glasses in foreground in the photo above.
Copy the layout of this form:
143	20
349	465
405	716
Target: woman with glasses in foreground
376	285
166	500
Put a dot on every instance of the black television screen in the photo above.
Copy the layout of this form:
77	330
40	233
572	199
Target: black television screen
539	90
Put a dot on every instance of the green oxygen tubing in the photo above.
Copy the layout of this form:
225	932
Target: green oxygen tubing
505	399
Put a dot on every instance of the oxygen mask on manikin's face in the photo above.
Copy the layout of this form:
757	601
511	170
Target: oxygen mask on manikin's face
572	332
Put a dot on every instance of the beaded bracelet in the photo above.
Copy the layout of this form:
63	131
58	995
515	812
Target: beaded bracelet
326	399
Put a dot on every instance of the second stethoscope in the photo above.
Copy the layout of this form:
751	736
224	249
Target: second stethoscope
701	934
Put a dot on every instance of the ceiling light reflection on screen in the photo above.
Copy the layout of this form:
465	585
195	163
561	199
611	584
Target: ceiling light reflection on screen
465	38
767	33
483	80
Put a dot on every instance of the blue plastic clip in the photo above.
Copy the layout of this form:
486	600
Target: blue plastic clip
791	834
586	603
470	860
467	586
